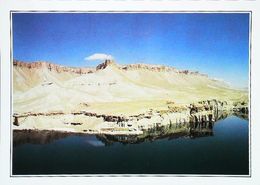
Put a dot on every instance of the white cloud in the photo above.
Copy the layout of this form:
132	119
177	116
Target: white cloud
99	56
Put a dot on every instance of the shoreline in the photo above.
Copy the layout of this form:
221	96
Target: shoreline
186	130
208	111
123	133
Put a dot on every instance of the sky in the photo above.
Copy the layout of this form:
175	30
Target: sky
216	44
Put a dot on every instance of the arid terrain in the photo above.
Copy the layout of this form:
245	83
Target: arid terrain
116	99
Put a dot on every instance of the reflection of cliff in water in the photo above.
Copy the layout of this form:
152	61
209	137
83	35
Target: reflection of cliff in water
21	137
172	131
241	115
187	130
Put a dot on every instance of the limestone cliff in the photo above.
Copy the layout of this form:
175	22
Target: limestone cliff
51	67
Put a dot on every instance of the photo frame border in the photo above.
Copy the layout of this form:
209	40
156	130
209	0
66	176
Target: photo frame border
11	12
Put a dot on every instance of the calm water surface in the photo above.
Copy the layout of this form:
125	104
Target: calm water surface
223	151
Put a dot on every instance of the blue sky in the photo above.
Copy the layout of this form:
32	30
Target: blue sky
212	43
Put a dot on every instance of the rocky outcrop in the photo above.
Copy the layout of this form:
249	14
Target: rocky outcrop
196	114
28	114
156	68
106	64
52	67
186	72
202	112
241	110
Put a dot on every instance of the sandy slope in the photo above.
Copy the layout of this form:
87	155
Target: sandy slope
112	90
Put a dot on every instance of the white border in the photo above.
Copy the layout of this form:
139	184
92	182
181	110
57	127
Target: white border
131	6
130	175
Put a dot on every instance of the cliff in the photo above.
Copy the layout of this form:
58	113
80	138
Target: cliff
117	99
51	67
104	65
43	87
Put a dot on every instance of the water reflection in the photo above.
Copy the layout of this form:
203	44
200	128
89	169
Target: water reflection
21	137
241	115
190	130
187	130
221	149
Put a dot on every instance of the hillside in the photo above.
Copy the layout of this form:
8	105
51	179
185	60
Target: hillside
111	88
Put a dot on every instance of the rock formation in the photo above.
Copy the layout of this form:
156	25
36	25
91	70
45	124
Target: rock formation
106	63
118	99
51	67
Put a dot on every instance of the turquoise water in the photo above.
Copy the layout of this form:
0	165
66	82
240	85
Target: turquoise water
224	150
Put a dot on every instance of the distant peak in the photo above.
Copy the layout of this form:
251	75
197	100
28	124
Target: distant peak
108	62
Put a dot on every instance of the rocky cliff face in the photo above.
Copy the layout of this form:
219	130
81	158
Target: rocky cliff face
125	99
190	117
52	67
105	64
156	68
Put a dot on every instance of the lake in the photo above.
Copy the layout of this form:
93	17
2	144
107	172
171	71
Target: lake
221	148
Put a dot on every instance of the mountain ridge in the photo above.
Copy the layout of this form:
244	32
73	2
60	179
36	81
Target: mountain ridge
103	65
111	88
